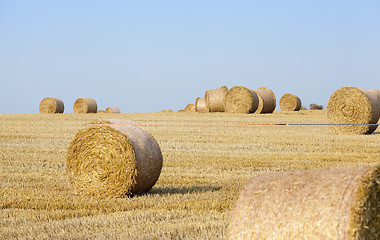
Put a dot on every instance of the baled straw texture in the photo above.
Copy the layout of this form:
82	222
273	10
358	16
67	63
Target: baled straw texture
267	100
215	99
51	105
113	110
200	105
350	105
338	203
241	100
290	102
190	107
113	159
85	105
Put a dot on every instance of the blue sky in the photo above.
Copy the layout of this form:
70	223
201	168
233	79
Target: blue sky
146	56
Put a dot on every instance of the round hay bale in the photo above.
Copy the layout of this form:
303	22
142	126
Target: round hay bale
190	107
85	105
167	111
51	105
290	102
314	106
376	93
351	105
338	203
200	105
113	160
241	100
267	100
113	110
215	99
181	110
101	111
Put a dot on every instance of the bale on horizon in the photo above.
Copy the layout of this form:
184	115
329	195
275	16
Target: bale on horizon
314	106
241	100
113	159
190	107
112	110
167	111
267	100
290	102
215	99
50	105
85	105
336	203
200	105
351	106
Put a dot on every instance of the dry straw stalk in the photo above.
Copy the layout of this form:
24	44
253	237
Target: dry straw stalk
200	105
85	105
350	105
113	110
113	159
267	100
241	100
190	107
339	203
215	99
290	102
51	105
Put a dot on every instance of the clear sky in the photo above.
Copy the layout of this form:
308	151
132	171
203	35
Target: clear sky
146	56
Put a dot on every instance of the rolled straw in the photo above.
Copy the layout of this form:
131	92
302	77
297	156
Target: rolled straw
101	111
200	105
113	159
167	111
351	105
215	99
290	102
267	100
241	100
338	203
190	107
51	105
85	105
113	110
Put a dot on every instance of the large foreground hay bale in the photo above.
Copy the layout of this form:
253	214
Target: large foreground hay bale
241	100
113	160
85	105
200	105
290	102
190	107
267	100
51	105
215	99
339	203
351	105
112	110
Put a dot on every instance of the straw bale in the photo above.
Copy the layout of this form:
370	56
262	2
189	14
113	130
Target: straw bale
85	105
215	99
101	111
267	100
376	93
314	106
290	102
200	105
167	111
337	203
113	160
181	110
241	100
113	110
51	105
190	107
351	105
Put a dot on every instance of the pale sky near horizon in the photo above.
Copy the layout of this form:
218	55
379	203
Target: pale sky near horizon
146	56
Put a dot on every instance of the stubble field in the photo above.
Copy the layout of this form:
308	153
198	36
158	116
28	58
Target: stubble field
207	160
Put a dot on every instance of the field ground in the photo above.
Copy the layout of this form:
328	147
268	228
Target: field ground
207	160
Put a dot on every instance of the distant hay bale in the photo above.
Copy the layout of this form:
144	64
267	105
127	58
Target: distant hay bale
290	102
215	99
200	105
314	106
113	110
85	105
181	110
338	203
267	100
351	105
113	160
167	111
101	111
190	107
51	105
241	100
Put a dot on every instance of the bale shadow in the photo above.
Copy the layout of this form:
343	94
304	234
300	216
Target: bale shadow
183	190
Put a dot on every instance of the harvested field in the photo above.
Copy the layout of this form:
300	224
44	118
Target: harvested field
207	159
